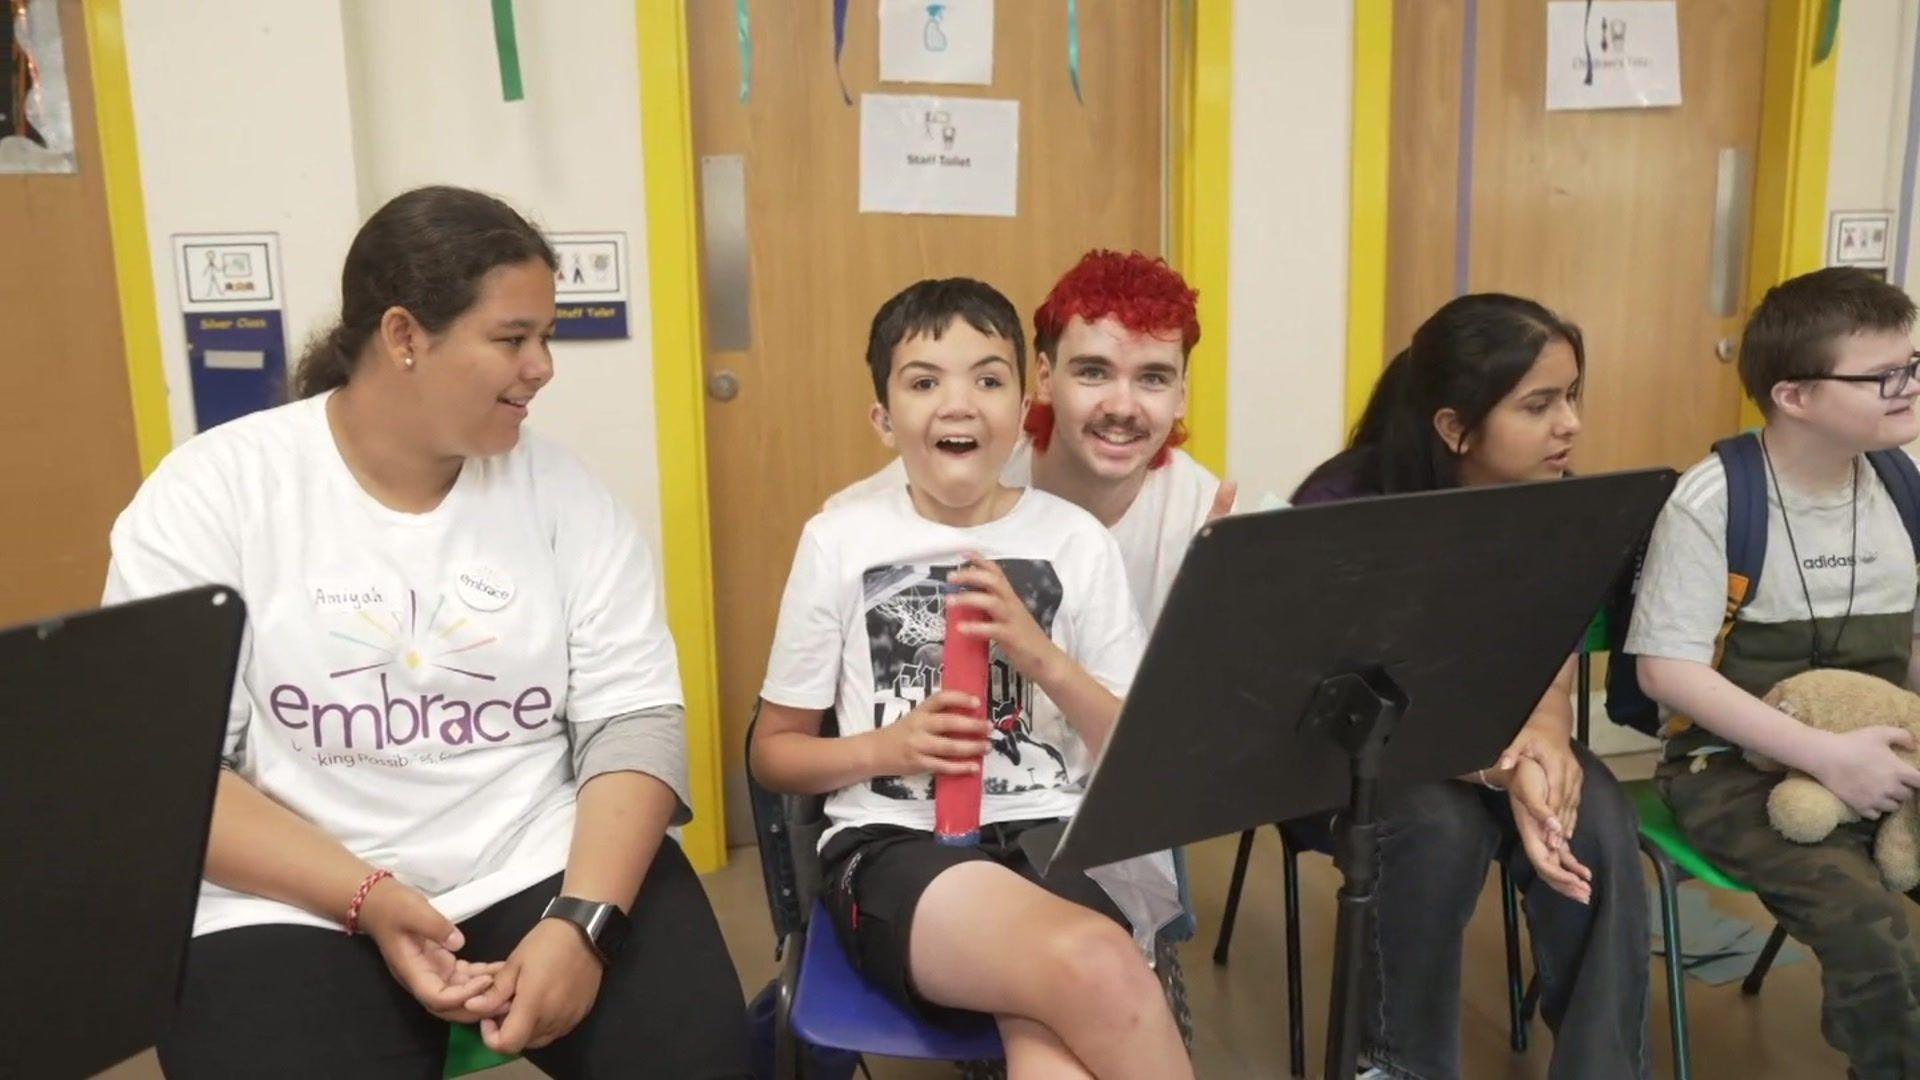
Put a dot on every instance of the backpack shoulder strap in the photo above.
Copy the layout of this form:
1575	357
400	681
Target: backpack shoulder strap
1901	477
1746	519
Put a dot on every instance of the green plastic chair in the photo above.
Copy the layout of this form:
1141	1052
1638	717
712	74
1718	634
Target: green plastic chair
1674	861
467	1054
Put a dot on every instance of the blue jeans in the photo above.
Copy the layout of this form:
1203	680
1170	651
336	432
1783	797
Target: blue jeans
1435	843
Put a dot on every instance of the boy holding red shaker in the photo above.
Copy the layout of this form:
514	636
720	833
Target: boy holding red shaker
895	599
956	796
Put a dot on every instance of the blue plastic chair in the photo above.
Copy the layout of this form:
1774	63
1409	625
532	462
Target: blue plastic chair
834	1007
821	999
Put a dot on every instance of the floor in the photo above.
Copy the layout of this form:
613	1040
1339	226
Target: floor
1240	1010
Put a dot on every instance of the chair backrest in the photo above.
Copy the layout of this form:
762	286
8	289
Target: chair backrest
787	832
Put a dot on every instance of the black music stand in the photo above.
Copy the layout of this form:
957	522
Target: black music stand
113	722
1309	659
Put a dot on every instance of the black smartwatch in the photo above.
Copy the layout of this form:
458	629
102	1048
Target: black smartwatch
604	925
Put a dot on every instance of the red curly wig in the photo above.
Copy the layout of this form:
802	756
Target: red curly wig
1140	292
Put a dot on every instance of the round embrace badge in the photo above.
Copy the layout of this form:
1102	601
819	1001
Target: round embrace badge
484	588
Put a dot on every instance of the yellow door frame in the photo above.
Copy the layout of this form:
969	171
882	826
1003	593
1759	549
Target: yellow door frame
1796	141
1200	123
1204	89
1790	185
127	227
679	405
1367	200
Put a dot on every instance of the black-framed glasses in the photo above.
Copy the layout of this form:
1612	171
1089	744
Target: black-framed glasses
1893	382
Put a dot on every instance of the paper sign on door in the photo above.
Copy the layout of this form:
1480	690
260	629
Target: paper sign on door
939	155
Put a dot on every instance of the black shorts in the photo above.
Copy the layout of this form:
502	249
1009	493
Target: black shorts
875	875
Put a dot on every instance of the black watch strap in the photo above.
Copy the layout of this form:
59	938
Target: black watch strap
604	925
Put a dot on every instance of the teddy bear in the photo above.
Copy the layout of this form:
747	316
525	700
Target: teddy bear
1802	809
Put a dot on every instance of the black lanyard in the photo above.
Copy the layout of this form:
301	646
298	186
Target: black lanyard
1820	658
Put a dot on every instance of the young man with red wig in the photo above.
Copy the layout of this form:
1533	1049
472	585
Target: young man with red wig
1111	344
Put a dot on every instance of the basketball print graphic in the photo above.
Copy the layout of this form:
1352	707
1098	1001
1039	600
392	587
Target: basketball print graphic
905	609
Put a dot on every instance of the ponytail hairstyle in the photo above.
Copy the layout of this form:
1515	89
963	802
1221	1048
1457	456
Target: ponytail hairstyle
424	251
1467	356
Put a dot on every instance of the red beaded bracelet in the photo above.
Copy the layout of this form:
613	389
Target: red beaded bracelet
360	898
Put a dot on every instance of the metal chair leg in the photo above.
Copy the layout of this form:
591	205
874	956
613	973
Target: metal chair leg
1233	897
1516	990
1583	697
1664	874
1296	1022
1751	985
787	1055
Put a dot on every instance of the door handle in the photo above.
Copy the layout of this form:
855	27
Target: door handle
1731	214
723	385
725	255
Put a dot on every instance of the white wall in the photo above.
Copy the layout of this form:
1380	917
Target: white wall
1870	106
240	110
427	108
1292	120
302	119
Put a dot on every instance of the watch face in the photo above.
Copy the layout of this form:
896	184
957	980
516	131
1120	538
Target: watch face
604	925
612	934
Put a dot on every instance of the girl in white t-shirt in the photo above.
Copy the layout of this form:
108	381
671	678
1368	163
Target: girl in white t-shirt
457	729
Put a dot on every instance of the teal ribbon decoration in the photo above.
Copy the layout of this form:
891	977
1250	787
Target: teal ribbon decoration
743	30
1073	48
509	49
1829	30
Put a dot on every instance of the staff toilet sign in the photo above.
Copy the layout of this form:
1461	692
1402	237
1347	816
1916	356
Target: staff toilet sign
590	285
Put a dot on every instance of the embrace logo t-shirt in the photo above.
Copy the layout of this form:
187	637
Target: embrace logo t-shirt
406	677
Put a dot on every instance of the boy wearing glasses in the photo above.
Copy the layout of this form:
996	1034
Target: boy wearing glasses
1829	360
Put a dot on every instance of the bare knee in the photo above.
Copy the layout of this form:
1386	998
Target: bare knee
1093	965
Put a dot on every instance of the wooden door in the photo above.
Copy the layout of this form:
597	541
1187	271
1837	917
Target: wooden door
68	459
1606	217
1090	175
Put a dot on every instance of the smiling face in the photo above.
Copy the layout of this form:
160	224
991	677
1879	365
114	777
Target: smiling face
1116	395
475	378
952	413
1853	414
